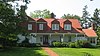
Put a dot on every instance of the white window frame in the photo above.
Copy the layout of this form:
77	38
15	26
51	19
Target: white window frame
29	26
67	26
55	26
40	26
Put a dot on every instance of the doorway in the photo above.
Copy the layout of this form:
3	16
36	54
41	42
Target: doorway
45	39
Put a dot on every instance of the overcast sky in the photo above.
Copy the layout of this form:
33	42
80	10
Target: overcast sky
60	7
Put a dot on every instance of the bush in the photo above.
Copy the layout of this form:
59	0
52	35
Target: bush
80	44
56	44
64	44
38	44
71	45
86	44
59	44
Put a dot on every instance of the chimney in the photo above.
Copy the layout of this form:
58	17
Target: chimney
92	26
53	15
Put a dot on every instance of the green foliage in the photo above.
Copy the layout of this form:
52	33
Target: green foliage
85	20
40	14
64	44
85	15
96	21
80	44
9	22
56	44
96	18
71	45
68	16
86	44
59	44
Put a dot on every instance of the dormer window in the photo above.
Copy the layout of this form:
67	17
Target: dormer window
40	26
29	26
67	26
55	26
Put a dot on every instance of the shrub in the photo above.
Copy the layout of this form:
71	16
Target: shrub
64	44
86	44
56	44
59	44
80	44
72	45
38	44
77	44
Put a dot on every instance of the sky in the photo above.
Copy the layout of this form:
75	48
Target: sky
61	7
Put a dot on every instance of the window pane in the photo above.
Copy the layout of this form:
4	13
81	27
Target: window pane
29	26
55	26
40	26
67	26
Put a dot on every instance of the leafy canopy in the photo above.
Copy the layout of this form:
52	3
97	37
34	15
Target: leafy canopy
41	14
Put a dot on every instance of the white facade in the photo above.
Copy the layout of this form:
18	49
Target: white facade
40	38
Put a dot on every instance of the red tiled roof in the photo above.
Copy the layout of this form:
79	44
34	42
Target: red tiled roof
89	32
75	23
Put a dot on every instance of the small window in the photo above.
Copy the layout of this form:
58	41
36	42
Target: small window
55	26
40	26
29	26
91	40
80	35
67	26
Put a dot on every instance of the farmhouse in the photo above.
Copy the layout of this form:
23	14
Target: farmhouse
44	31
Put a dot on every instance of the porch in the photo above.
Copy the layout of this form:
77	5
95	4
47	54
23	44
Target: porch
48	38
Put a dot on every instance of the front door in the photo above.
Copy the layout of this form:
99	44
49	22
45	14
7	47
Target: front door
45	39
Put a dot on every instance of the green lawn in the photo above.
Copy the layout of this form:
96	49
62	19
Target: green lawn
35	51
76	51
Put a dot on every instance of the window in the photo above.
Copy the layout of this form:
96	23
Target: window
29	26
55	26
67	26
40	26
80	35
91	40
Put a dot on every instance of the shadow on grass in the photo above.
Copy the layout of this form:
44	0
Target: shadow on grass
86	54
23	51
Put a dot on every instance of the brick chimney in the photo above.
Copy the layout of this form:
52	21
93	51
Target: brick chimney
92	26
53	15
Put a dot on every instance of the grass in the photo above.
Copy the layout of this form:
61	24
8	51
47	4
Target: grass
76	51
35	51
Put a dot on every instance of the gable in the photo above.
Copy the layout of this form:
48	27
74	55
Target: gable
30	19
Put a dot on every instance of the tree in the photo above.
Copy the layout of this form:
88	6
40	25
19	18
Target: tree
96	18
41	14
68	16
96	22
85	20
9	22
